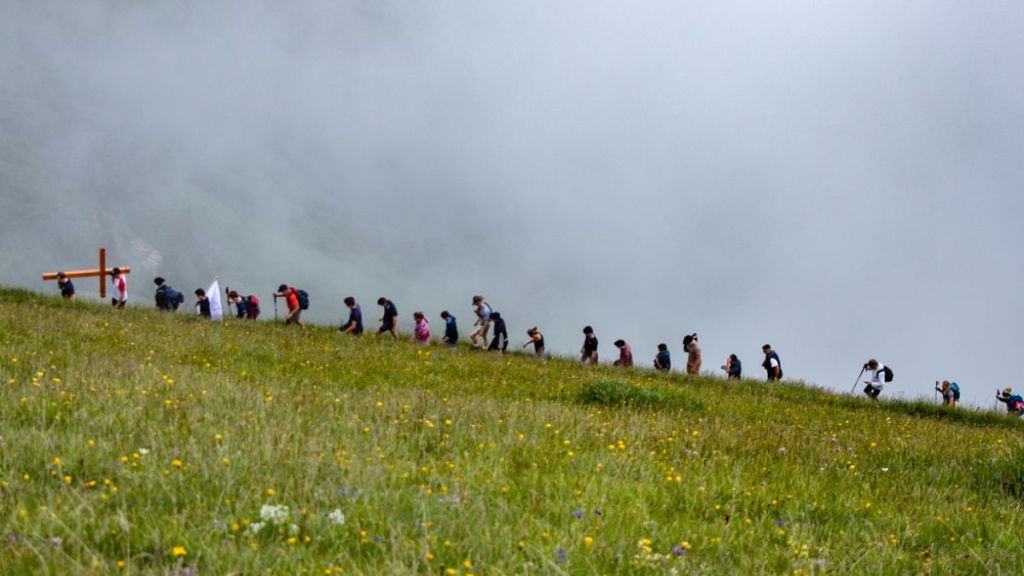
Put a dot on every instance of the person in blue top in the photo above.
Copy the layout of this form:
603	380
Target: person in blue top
389	321
167	299
663	361
451	330
67	289
354	325
733	367
1014	402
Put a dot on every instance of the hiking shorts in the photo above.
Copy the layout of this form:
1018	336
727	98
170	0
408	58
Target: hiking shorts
294	319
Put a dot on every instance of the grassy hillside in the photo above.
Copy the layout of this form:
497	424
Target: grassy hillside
134	442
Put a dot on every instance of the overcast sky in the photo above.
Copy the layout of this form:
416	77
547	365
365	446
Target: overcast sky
840	179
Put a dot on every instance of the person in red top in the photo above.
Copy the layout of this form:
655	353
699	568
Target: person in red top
120	289
291	299
625	354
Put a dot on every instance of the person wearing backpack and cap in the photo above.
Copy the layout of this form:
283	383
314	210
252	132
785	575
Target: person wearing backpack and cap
1014	402
291	300
878	376
167	298
245	306
950	392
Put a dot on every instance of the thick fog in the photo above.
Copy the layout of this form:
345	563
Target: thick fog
841	179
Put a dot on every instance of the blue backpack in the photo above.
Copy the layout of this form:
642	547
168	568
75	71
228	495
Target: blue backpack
303	297
956	390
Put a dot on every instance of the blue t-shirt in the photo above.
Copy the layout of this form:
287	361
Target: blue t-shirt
451	330
665	359
355	315
67	290
390	315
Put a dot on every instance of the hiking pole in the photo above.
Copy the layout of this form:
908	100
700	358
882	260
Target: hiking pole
227	290
857	381
275	307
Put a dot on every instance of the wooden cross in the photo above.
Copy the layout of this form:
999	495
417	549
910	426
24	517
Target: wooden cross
102	272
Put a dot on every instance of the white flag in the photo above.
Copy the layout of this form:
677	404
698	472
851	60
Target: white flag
213	293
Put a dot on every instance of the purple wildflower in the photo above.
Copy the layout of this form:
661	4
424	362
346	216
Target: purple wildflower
678	550
563	556
577	513
779	523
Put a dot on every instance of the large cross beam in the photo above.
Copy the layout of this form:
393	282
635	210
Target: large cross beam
102	272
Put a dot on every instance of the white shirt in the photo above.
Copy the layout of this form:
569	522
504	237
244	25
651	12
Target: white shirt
877	377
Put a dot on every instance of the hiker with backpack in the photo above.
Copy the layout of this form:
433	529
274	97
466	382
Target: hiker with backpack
203	303
354	325
879	375
389	321
451	330
500	341
247	307
950	392
625	354
772	365
588	353
294	300
694	356
1014	402
67	288
733	367
167	299
663	360
483	320
537	339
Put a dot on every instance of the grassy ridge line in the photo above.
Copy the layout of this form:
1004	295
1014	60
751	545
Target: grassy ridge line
792	391
459	457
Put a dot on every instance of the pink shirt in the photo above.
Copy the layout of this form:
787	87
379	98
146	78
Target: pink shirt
422	331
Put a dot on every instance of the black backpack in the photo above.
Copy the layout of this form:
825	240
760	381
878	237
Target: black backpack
303	297
887	376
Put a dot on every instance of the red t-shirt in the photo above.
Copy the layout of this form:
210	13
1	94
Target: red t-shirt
292	298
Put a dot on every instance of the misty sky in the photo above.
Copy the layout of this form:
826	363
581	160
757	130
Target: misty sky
841	179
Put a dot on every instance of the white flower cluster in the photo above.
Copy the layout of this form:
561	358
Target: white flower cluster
275	515
337	517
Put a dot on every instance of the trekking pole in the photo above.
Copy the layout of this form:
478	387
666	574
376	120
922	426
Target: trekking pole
857	381
227	290
275	307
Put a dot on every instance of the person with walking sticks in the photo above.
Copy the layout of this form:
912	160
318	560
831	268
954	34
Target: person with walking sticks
878	375
950	393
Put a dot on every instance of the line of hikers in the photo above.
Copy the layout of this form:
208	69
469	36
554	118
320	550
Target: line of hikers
297	300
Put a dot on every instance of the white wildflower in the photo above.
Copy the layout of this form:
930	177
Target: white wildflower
276	515
255	527
337	517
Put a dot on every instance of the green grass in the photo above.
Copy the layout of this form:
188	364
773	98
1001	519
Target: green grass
128	435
